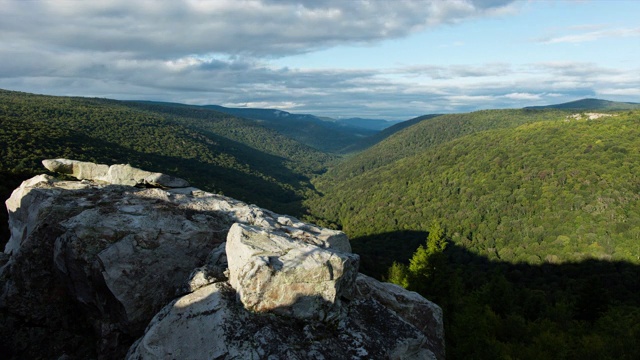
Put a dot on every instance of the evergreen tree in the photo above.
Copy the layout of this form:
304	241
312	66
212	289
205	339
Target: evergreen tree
428	262
398	274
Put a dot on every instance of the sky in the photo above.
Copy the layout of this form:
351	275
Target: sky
382	59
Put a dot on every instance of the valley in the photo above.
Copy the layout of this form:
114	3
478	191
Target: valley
523	224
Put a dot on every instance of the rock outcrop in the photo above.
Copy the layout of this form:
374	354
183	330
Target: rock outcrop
93	265
115	174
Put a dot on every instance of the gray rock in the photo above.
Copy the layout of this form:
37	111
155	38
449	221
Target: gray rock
214	270
90	263
78	169
114	174
272	271
141	256
210	324
120	253
410	306
164	180
25	205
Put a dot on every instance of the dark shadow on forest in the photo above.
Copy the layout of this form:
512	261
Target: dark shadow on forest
378	252
588	309
619	279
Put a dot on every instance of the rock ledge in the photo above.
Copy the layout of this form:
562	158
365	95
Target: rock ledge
109	267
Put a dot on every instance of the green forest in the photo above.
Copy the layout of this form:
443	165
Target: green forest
523	224
527	230
549	191
213	151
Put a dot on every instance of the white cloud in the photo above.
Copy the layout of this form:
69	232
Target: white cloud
523	96
592	36
172	28
626	92
439	72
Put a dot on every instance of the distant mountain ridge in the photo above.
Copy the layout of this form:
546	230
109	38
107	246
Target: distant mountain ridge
262	114
386	132
590	104
371	124
276	114
324	134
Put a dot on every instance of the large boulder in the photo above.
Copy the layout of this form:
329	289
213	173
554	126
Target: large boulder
92	266
273	272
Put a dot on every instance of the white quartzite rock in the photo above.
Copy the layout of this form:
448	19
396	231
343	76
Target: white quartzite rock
90	263
21	222
114	174
121	253
273	272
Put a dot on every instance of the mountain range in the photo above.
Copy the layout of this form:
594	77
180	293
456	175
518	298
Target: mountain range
322	133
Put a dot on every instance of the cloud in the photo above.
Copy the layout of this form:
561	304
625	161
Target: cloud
573	69
523	96
175	28
592	36
620	91
374	93
221	52
439	72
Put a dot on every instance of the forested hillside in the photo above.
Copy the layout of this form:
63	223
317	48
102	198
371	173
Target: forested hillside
430	131
369	141
546	191
528	236
214	151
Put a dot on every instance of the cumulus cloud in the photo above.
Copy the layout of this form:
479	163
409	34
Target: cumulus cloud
573	69
620	91
174	28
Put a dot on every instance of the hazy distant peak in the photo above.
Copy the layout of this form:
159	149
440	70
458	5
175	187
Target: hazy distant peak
591	104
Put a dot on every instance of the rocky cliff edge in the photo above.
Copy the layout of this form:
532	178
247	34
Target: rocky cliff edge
126	263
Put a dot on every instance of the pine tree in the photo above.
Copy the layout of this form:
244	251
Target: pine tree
428	261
